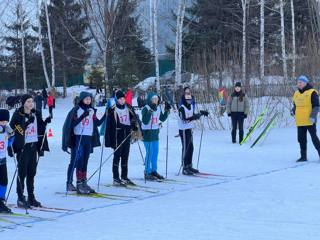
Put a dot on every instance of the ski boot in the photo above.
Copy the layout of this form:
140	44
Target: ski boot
127	181
88	187
187	171
157	175
32	201
195	171
81	188
150	177
22	202
119	183
4	208
71	188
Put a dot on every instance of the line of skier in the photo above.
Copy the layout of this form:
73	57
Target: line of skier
24	138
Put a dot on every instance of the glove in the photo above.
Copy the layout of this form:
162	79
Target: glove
2	129
229	114
245	115
30	120
167	106
10	141
10	152
313	120
9	130
204	113
48	120
85	113
195	117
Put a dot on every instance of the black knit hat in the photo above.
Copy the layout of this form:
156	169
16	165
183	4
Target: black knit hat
24	98
238	84
4	115
119	94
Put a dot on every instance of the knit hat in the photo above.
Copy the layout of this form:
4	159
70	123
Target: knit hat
24	98
303	78
4	115
238	84
119	94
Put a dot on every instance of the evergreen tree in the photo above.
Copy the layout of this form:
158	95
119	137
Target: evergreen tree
11	60
70	39
131	61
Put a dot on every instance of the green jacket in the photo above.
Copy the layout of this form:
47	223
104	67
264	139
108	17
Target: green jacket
153	134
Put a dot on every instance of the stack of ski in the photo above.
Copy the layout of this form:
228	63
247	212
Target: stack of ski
254	126
265	130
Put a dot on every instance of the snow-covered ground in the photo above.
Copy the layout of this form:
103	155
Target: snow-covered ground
262	193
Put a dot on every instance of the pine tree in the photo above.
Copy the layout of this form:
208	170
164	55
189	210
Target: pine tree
70	39
131	61
13	59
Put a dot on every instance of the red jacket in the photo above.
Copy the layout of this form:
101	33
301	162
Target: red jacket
128	97
50	101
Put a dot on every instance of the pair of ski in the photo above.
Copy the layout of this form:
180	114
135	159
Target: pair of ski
134	187
44	209
98	195
206	175
255	125
8	218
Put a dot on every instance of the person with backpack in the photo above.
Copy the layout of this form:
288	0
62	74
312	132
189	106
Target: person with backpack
152	115
81	135
305	110
29	144
6	140
121	121
237	109
187	116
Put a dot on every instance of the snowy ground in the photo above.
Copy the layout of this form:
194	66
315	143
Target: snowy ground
263	194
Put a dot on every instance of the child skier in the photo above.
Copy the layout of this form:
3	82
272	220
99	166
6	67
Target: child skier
30	142
121	121
151	117
6	138
185	122
80	133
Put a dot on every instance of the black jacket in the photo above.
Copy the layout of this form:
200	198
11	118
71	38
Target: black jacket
68	137
115	131
19	124
182	113
38	100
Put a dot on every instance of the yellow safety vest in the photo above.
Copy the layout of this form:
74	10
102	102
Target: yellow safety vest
303	105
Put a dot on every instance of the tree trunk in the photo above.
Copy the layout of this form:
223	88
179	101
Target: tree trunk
64	71
179	39
41	47
283	44
244	41
155	44
293	41
53	72
262	36
24	70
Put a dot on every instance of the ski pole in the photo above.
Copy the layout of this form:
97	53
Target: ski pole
200	145
76	159
13	178
167	149
94	173
102	150
141	153
17	170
